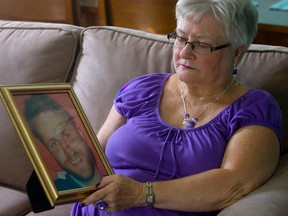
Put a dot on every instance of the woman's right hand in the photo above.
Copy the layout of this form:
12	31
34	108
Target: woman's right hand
119	192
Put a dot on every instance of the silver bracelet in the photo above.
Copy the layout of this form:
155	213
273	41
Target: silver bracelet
150	197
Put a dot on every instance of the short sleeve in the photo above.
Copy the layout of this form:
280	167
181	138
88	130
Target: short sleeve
139	94
258	107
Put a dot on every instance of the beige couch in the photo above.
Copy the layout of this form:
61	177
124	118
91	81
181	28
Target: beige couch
98	61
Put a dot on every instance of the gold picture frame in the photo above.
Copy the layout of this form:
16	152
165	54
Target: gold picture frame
59	140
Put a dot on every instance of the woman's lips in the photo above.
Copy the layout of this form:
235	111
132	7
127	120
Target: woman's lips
185	66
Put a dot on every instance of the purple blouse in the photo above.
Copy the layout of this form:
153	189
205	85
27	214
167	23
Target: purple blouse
148	149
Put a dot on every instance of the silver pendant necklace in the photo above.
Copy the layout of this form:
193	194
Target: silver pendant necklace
191	122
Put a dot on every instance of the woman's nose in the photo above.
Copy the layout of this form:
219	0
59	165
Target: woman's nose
187	51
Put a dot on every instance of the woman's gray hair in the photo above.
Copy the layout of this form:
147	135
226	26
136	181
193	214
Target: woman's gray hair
239	18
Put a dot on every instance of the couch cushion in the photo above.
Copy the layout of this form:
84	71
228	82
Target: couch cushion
36	52
266	67
30	53
13	202
111	56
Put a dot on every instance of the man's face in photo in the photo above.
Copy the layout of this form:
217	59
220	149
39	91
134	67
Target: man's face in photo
66	143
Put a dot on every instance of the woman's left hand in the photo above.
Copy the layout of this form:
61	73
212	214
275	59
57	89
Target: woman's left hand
119	192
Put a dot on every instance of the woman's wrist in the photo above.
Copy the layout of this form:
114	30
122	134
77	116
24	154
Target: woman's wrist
141	196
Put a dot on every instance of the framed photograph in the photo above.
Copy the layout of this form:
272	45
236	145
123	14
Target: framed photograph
58	139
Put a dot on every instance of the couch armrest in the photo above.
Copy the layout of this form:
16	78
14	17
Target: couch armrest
270	199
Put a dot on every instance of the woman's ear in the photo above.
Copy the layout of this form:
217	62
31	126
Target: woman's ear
238	54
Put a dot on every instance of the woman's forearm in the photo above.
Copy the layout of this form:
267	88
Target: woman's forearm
208	191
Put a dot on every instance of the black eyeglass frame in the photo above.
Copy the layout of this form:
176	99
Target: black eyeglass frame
192	43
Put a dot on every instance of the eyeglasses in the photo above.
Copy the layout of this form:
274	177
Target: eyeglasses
198	47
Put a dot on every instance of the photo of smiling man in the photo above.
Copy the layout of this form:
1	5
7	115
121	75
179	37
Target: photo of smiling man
54	127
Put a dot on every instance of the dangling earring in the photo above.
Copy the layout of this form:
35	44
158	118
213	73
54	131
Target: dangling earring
235	70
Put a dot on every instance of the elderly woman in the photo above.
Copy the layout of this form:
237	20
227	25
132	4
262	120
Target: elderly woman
193	142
